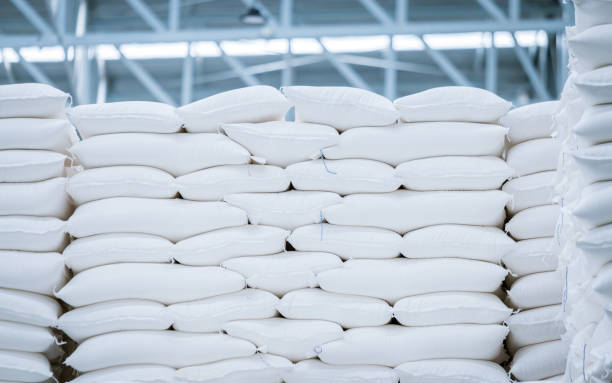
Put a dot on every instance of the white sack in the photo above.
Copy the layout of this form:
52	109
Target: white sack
595	205
595	86
539	361
344	176
451	371
536	290
532	256
29	308
452	103
589	13
595	163
401	143
133	373
287	210
596	247
260	368
282	143
591	48
340	107
211	314
388	345
143	281
531	190
346	310
393	279
315	371
530	121
534	222
457	241
43	198
16	366
176	153
258	103
41	273
214	183
169	348
533	326
291	338
347	242
32	233
602	284
174	219
31	100
534	156
30	165
283	272
404	210
25	337
36	133
593	126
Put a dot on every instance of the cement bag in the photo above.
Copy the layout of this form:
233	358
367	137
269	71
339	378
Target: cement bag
532	256
134	373
174	219
589	13
450	308
451	370
539	361
44	198
542	324
406	142
258	103
593	126
457	241
454	173
595	205
596	247
214	247
41	273
452	103
530	121
347	242
101	318
31	100
17	366
595	86
176	153
534	222
281	273
344	176
214	183
340	107
260	368
386	345
142	281
595	163
36	133
592	48
30	165
529	191
120	181
293	339
169	348
282	143
346	310
32	233
211	314
315	371
534	156
125	117
287	210
536	290
28	308
403	210
393	279
25	337
602	284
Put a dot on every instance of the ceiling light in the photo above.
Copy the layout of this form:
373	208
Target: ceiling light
252	16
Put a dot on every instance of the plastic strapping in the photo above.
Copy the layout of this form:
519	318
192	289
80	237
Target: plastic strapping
324	164
565	290
249	170
317	349
583	362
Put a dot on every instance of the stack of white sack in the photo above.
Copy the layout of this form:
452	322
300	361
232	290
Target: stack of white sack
34	136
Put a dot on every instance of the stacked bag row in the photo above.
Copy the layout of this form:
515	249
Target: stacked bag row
34	138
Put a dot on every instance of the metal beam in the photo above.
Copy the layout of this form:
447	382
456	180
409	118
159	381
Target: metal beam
377	11
383	63
237	67
401	11
36	74
187	78
30	13
390	74
174	14
286	17
491	66
57	12
7	67
102	81
514	9
81	58
147	15
446	65
344	69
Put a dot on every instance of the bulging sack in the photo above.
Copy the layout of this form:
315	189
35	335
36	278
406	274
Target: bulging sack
451	370
533	326
41	273
31	100
596	247
532	256
18	366
539	361
593	126
595	163
25	337
315	371
534	222
595	86
536	290
529	191
534	156
133	373
30	165
594	208
18	232
43	198
261	368
602	284
591	48
530	121
36	133
29	308
589	13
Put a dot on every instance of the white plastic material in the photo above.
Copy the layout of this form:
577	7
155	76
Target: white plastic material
261	368
340	107
592	47
211	314
43	198
30	165
258	103
344	176
315	371
451	371
36	133
452	103
214	183
347	242
176	153
282	143
142	281
531	190
404	210
593	126
214	247
589	13
28	308
386	345
25	337
32	233
533	326
596	247
41	273
16	366
169	348
534	156
454	173
120	181
281	273
401	143
530	121
346	310
539	361
287	210
293	339
595	86
602	284
450	308
457	241
138	373
595	205
174	219
532	256
31	100
120	315
125	117
595	163
534	222
536	290
393	279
